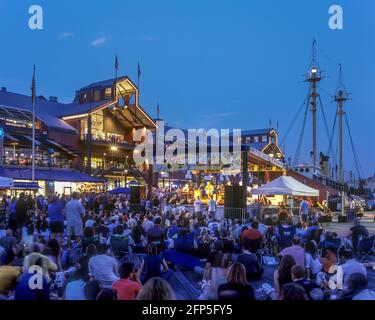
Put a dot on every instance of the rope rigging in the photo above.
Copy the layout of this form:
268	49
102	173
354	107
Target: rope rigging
300	140
356	159
295	119
330	146
324	117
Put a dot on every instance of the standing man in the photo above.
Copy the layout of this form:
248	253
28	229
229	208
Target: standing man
211	207
303	211
74	211
197	207
21	214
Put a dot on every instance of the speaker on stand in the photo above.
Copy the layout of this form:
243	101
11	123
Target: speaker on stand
235	203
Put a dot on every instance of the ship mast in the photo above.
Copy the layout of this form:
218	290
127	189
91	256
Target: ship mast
314	77
340	97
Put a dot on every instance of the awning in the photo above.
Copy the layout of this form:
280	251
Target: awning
286	185
65	175
58	145
6	183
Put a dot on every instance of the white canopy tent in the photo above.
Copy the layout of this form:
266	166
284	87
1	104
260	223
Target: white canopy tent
286	185
6	183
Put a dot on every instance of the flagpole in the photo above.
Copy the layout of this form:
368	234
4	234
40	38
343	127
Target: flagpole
116	70
138	84
33	129
139	76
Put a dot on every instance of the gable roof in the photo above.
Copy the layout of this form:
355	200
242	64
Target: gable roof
104	83
47	111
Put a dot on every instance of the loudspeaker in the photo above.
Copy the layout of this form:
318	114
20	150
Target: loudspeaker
235	203
135	195
235	197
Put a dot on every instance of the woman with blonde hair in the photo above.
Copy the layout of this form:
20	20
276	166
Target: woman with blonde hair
156	289
237	287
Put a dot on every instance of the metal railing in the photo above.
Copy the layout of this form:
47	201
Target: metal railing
251	211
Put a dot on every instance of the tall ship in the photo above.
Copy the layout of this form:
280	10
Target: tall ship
326	166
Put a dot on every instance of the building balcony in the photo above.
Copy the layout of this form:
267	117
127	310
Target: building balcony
42	162
109	141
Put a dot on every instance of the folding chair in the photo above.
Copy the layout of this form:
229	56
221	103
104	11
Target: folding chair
365	248
120	247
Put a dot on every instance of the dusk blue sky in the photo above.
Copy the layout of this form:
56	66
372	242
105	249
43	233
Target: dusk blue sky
209	63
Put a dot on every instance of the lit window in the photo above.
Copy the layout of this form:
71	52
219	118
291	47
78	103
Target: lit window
108	93
256	139
264	139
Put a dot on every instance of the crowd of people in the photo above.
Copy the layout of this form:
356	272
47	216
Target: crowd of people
93	246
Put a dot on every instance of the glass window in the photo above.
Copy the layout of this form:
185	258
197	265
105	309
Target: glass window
264	139
273	139
97	95
108	93
256	139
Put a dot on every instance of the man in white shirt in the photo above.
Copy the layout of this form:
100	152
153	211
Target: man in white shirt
304	211
211	207
197	206
74	212
103	267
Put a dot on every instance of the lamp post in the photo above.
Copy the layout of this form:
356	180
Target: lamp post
103	163
126	177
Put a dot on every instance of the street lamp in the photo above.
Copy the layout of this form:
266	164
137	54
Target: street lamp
103	164
126	177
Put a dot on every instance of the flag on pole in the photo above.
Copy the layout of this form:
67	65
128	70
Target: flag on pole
116	63
33	100
33	88
115	82
139	70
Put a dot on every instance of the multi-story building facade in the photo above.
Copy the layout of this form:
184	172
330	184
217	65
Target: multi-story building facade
78	145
